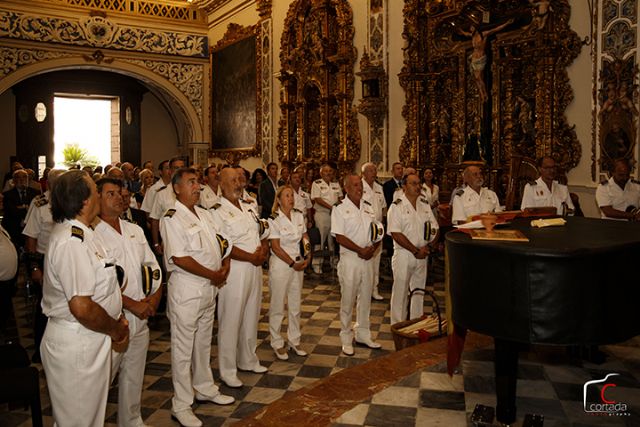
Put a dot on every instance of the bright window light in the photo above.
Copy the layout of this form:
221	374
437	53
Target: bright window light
86	124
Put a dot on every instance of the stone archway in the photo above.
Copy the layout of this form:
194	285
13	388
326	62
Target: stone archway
187	113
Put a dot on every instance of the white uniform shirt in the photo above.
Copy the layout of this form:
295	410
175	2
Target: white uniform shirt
302	201
375	196
130	251
76	264
538	195
289	231
471	203
8	256
185	234
330	193
165	200
38	222
610	194
208	197
353	222
239	225
247	197
150	195
403	218
431	196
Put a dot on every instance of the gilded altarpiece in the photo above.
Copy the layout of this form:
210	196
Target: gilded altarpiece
318	122
485	80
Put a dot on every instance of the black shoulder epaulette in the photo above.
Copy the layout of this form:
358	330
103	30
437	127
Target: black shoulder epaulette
41	201
169	213
273	215
251	194
604	182
318	181
424	200
635	181
460	192
216	206
245	201
397	201
161	188
367	203
77	232
297	210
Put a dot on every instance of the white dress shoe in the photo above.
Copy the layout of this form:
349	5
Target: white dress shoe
317	269
218	399
259	369
186	418
369	343
281	353
348	349
376	296
232	382
298	351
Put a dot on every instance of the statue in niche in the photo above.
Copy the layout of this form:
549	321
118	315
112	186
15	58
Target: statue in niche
526	128
617	143
540	12
479	55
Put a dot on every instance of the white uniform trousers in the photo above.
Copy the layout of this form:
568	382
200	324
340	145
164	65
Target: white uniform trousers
408	273
190	308
323	222
130	369
376	268
284	282
77	364
356	276
238	314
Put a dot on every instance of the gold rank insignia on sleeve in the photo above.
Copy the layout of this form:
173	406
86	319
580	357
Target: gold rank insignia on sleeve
427	230
77	232
224	245
397	201
424	201
41	201
460	192
169	213
216	206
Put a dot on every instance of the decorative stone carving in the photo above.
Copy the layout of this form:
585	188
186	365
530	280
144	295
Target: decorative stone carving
100	32
187	78
13	59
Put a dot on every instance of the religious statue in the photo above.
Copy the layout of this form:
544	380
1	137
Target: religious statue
479	55
540	12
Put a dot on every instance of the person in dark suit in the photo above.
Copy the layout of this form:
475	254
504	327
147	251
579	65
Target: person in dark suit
267	190
389	187
16	204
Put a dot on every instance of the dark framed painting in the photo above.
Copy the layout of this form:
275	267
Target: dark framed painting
235	94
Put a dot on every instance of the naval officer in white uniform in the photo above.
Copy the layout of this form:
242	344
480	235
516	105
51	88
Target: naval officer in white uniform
196	253
83	302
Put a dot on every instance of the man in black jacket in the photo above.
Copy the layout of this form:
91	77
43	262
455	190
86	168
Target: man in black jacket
267	190
16	204
389	187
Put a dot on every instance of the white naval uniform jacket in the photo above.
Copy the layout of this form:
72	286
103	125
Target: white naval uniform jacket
467	203
403	218
538	195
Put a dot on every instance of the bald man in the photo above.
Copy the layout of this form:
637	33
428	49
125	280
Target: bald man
354	225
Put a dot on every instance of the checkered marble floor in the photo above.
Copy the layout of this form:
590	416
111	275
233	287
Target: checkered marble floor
549	383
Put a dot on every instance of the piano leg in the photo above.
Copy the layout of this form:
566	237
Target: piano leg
506	371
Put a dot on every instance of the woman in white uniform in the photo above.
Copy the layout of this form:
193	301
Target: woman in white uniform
286	269
82	300
430	190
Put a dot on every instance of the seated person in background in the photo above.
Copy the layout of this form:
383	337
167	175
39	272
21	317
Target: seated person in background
619	197
473	199
546	191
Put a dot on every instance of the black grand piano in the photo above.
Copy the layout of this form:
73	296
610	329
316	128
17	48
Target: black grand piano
576	284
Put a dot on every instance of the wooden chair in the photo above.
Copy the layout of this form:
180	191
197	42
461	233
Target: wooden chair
522	170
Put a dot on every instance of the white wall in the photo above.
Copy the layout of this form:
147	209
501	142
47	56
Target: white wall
7	130
159	137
